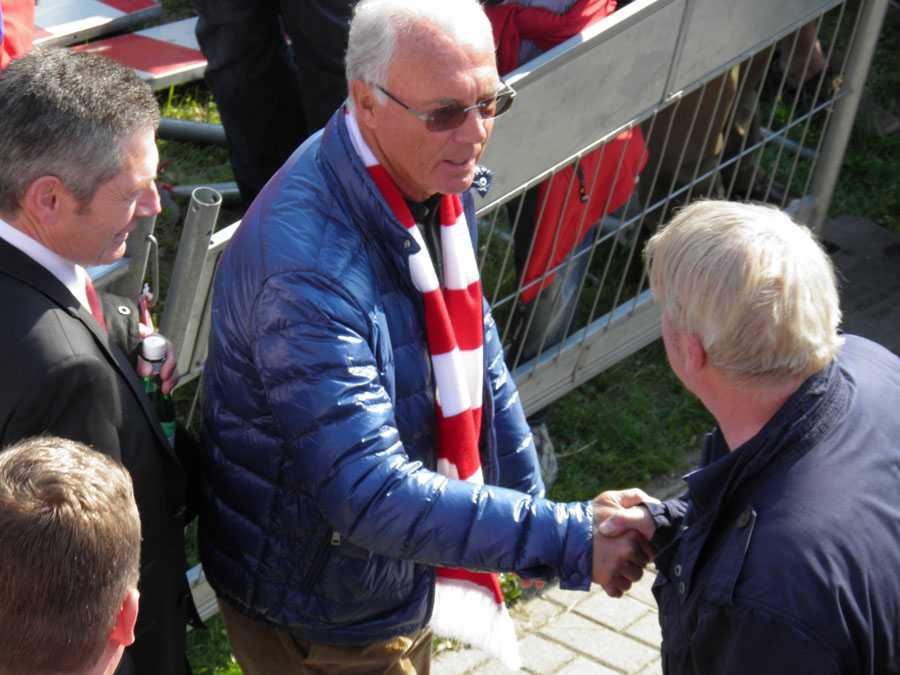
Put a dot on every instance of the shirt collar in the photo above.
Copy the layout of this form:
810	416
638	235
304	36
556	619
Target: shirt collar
69	274
425	212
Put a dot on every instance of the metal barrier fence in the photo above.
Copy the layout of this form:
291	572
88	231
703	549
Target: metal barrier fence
707	91
664	102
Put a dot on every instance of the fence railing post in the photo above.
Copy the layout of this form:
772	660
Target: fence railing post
840	126
179	320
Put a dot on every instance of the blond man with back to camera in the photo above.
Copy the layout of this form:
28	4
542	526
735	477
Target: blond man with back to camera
782	555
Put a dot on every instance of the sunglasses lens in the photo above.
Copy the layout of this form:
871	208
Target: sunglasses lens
502	103
446	118
452	116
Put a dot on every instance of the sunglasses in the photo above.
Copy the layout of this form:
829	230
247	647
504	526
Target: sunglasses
454	115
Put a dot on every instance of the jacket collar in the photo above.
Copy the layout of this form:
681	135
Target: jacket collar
806	417
348	176
367	206
19	266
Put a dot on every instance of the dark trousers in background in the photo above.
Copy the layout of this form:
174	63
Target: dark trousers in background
272	96
262	649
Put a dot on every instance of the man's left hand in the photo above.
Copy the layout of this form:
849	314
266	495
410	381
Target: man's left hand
619	561
168	373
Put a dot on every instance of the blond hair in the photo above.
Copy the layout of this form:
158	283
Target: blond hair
755	287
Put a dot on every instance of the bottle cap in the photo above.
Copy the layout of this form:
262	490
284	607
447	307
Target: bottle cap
154	348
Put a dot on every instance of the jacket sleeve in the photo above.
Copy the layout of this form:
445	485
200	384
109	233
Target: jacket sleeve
667	517
342	447
741	640
516	454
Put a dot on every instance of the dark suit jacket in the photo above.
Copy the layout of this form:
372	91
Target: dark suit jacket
63	375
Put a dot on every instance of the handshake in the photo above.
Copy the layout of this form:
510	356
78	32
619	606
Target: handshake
622	533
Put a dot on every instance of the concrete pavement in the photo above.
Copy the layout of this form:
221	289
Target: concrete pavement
575	633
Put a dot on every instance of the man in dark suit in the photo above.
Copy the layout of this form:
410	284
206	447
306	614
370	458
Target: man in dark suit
77	142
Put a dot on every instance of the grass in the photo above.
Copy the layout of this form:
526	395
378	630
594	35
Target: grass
869	184
632	424
209	652
627	426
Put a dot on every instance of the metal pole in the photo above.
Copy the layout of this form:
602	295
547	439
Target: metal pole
191	132
138	251
199	224
229	191
838	134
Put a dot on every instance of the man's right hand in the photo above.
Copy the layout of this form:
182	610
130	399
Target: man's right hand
617	511
621	550
635	518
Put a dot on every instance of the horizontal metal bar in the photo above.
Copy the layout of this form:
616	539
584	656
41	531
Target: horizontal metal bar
228	191
191	132
103	275
789	145
587	352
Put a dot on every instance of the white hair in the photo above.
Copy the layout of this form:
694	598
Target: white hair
377	25
754	286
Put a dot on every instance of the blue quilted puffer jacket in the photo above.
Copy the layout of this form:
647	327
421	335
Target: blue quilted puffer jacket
322	512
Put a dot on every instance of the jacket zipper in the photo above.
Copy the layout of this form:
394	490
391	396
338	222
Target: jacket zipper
331	538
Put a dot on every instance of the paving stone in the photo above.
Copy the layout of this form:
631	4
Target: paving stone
647	629
641	589
590	638
654	668
612	612
541	656
531	615
457	662
568	599
583	666
867	258
494	667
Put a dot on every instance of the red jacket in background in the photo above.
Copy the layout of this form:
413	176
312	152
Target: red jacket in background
18	29
572	200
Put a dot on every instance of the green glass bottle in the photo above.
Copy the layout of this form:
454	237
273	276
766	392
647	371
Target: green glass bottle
154	350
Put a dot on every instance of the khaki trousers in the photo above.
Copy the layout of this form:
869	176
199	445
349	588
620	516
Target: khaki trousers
261	649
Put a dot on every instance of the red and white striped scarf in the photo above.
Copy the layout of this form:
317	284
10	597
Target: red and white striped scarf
468	605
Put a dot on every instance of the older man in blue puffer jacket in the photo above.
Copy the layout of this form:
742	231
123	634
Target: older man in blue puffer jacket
323	514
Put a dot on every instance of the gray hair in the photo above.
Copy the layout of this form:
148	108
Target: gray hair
378	24
755	287
67	114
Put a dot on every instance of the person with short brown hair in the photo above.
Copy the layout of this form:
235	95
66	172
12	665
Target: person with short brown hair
71	538
78	170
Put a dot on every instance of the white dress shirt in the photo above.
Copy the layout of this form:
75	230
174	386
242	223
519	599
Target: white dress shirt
70	275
